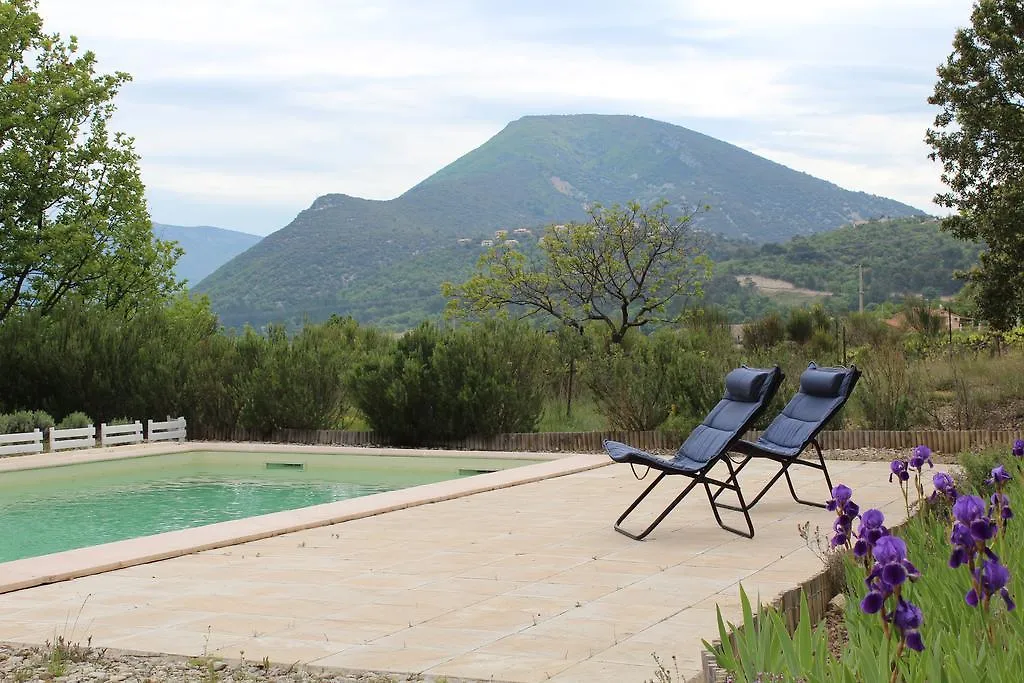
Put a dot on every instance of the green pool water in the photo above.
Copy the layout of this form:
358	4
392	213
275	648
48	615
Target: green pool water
60	508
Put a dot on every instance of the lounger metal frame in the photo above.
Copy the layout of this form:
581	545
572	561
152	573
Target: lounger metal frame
698	477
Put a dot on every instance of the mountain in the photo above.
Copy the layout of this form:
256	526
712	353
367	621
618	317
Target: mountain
206	248
343	254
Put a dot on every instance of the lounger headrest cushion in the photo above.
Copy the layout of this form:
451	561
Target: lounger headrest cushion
744	384
824	382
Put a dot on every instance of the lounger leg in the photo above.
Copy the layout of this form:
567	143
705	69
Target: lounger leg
657	521
778	475
733	484
819	466
739	468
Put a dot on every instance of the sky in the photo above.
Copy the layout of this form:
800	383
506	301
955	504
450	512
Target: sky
245	111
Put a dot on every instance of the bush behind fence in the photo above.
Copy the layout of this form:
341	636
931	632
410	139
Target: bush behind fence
653	440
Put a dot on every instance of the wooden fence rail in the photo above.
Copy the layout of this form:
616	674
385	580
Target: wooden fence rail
940	441
171	429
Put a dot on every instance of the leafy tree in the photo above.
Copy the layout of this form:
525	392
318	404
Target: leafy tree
621	268
73	218
977	137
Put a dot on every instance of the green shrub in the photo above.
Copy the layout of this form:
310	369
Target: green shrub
631	387
435	385
765	333
822	346
919	317
975	468
297	382
889	392
865	329
672	375
82	357
25	421
76	420
799	326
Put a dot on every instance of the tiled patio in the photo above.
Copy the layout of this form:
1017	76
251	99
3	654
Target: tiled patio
526	583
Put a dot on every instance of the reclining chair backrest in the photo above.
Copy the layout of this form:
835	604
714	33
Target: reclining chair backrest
747	392
823	391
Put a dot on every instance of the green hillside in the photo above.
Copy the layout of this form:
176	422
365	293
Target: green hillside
343	253
900	257
904	256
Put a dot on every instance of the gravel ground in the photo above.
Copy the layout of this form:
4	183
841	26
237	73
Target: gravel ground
78	663
883	454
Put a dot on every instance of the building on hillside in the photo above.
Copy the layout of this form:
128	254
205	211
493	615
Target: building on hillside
511	243
525	232
465	241
500	234
486	243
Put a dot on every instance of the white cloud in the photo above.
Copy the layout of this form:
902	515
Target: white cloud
278	101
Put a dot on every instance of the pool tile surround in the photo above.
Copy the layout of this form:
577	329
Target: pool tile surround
540	585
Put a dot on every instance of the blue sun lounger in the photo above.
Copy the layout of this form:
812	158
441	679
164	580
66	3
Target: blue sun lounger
747	392
823	391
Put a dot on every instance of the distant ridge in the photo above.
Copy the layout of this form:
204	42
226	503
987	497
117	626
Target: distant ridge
206	248
342	254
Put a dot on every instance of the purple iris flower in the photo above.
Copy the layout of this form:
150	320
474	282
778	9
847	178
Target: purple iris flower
944	483
892	567
872	602
998	476
1001	503
846	510
872	519
842	526
963	545
898	469
992	578
841	495
890	549
967	509
984	529
1018	447
907	617
842	503
919	456
871	529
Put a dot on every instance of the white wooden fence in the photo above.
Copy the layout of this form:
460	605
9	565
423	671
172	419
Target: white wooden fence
112	435
169	430
26	442
86	437
77	437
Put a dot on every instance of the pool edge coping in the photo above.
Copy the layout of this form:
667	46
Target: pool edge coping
71	564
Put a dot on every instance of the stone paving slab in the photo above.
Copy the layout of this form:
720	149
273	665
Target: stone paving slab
524	583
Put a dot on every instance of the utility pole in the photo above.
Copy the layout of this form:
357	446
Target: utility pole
860	288
949	319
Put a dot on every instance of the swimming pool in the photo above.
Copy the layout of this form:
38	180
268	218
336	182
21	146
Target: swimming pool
52	509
